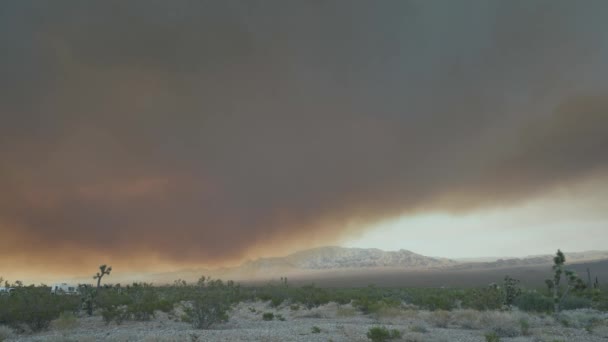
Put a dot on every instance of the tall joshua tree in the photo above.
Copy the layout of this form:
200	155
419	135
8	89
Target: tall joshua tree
573	282
103	270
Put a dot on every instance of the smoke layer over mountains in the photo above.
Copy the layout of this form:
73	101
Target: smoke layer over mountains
189	132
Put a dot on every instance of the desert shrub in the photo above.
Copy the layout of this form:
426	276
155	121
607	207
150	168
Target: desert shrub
276	301
381	334
369	305
533	301
489	298
35	307
419	329
268	316
113	304
466	319
143	301
116	314
346	312
573	303
311	296
599	299
581	318
503	323
211	301
511	291
280	317
294	307
66	321
492	337
432	300
316	330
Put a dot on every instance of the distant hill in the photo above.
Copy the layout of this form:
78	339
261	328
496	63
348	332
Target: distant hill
340	257
329	265
571	258
329	261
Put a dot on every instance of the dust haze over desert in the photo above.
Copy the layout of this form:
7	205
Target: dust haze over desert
156	136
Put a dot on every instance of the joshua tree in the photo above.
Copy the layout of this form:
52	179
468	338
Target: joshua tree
573	281
511	291
103	270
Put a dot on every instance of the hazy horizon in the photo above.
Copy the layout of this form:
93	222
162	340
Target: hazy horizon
155	136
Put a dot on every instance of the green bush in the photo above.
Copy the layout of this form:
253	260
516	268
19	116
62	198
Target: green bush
268	316
419	329
316	330
381	334
35	307
532	301
490	298
113	304
211	301
143	301
573	303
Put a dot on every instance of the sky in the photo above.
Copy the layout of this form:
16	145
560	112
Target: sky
155	135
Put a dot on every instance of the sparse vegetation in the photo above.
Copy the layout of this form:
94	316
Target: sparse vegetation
209	302
440	318
419	329
34	307
382	334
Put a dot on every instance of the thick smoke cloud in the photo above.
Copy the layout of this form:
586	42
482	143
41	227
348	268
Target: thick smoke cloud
198	132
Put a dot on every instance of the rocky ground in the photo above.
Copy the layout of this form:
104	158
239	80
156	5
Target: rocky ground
338	323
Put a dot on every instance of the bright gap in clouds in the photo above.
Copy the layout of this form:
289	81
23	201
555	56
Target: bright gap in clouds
573	222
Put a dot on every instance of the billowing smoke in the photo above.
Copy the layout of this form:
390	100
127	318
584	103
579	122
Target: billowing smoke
198	132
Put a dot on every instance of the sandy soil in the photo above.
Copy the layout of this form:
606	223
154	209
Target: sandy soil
336	324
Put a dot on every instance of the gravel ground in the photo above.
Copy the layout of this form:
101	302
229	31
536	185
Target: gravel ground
336	324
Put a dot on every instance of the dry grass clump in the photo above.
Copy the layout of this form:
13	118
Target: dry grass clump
419	328
503	323
346	311
466	319
388	312
601	330
410	313
581	318
5	333
440	318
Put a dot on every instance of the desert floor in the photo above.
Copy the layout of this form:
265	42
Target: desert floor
338	323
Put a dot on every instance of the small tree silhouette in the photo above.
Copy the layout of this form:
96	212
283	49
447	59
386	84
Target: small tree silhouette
103	270
573	282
